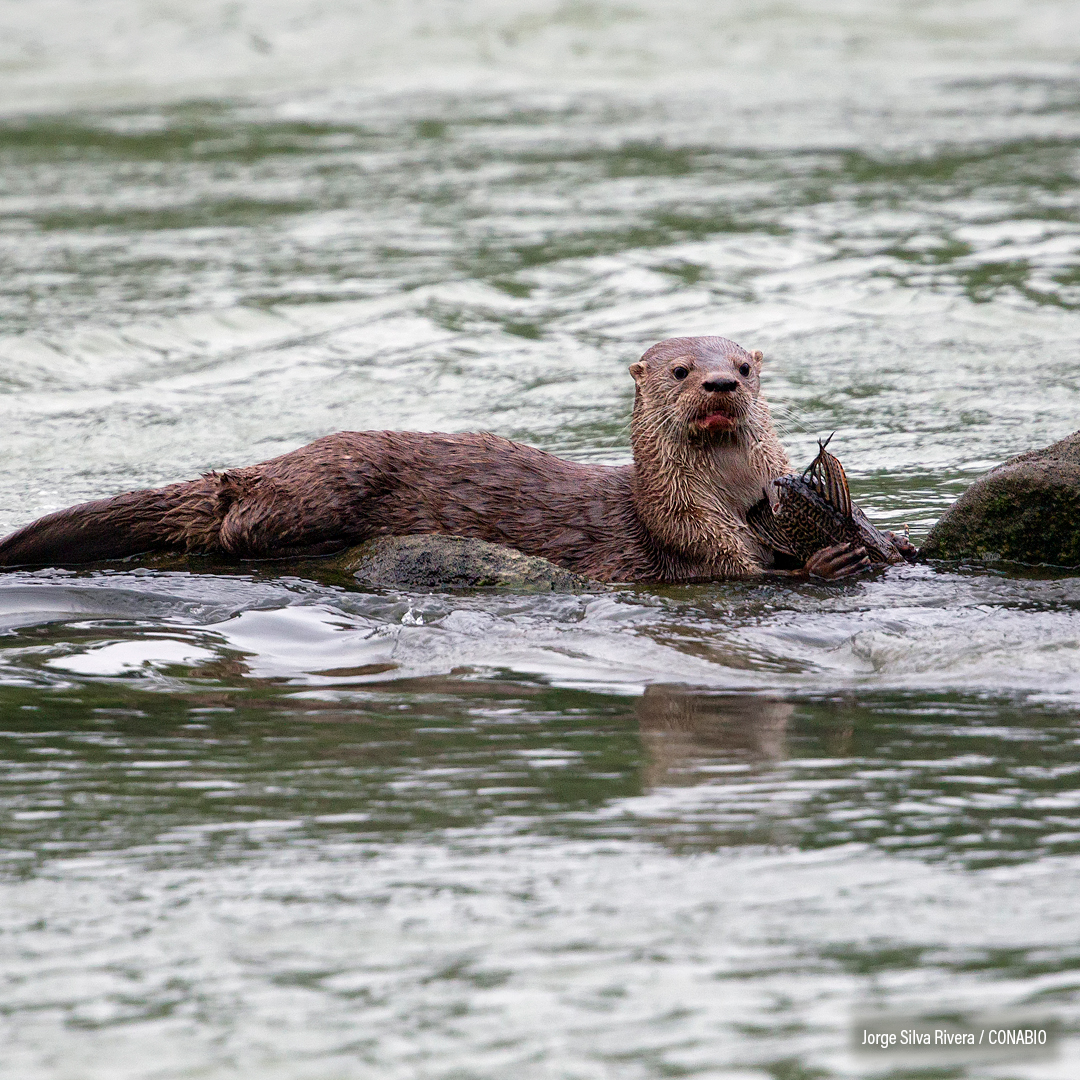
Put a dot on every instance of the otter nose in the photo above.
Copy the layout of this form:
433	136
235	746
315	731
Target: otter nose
723	386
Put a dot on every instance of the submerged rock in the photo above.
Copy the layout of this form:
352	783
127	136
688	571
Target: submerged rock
1026	510
407	562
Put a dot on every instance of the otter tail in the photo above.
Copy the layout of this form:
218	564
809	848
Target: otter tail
128	524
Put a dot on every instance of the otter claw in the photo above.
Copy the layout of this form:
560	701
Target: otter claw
838	561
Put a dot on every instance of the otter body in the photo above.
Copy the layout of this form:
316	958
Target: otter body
704	451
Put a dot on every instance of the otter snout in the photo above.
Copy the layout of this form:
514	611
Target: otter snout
715	384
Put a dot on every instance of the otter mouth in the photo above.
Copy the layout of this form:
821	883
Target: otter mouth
715	421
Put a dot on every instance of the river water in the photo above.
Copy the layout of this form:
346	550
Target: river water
258	824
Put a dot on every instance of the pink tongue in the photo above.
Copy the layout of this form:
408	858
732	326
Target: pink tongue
717	420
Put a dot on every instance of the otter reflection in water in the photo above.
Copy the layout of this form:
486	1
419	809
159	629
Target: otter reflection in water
704	452
681	728
730	769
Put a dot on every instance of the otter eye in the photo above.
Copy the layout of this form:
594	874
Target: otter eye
744	370
680	372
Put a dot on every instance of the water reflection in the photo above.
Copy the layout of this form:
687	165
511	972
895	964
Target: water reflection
104	766
683	730
509	823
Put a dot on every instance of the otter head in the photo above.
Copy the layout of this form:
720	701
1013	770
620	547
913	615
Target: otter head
696	390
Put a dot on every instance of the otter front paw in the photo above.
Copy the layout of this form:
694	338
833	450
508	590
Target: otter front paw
838	561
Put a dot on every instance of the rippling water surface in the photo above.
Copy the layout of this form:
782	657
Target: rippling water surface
258	822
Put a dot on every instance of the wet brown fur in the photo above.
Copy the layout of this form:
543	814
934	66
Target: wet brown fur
704	449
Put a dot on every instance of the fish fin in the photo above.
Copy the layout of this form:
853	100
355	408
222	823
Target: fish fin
836	483
763	524
829	479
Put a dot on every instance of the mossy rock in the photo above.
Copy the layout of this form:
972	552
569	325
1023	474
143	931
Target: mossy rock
437	562
1026	510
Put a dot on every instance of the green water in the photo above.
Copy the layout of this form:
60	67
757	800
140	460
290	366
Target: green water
259	824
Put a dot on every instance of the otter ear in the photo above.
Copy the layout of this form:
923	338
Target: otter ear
638	369
758	355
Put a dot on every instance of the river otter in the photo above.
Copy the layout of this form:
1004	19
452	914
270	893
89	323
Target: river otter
704	451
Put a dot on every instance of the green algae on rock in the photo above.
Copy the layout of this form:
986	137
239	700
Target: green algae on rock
1026	510
435	561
